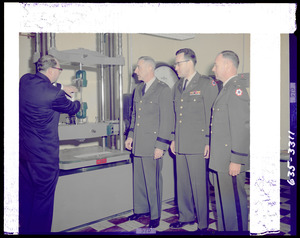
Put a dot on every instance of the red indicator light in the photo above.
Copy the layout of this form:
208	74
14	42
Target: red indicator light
101	161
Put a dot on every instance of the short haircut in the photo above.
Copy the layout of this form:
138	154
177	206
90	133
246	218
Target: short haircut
46	62
228	54
149	60
188	54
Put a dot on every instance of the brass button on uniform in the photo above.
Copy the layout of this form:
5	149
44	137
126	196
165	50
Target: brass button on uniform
140	109
180	121
181	100
138	124
181	107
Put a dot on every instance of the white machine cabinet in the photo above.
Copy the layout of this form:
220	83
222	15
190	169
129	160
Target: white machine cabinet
92	193
87	194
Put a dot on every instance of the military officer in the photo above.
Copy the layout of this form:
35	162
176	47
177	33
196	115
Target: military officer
230	139
152	122
194	95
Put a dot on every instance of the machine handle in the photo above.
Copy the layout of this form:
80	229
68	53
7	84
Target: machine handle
82	112
81	74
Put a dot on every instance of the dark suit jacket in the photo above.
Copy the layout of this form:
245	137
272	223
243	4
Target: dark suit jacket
152	119
193	111
230	127
40	105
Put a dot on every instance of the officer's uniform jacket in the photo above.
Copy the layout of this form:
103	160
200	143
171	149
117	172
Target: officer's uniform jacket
193	110
152	119
230	131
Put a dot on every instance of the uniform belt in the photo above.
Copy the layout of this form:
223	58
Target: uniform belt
163	140
238	153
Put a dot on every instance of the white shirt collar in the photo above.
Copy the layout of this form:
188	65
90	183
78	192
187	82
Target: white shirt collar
228	80
190	78
149	83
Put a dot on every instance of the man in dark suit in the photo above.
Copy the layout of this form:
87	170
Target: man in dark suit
40	105
194	95
230	141
148	138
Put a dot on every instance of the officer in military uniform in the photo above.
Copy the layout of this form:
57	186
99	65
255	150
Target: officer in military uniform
194	95
152	122
230	141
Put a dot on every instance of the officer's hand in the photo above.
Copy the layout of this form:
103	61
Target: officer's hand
172	147
158	153
234	169
206	152
128	143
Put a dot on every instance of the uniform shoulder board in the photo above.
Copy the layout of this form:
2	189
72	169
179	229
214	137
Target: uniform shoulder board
205	77
209	79
212	81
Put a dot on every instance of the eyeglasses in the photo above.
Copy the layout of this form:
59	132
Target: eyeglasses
177	63
60	69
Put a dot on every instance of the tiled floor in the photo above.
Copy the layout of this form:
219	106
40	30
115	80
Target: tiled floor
119	223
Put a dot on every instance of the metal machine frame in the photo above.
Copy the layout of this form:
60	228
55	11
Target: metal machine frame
103	128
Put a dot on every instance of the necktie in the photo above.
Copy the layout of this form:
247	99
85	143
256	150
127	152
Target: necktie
143	89
184	86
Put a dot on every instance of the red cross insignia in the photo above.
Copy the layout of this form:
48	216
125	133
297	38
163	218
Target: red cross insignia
213	83
239	92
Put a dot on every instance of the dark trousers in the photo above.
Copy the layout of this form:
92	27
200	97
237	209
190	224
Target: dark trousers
192	188
227	210
37	182
147	186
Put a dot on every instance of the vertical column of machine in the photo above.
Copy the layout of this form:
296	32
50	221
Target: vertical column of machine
111	53
121	93
102	87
